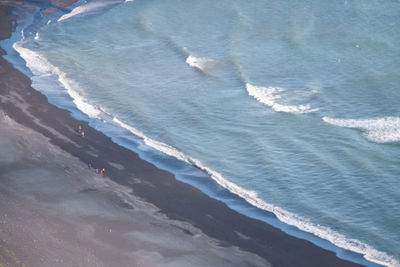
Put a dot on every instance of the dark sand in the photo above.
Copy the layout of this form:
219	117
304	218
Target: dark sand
55	211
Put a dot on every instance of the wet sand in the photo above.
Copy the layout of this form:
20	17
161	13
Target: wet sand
56	211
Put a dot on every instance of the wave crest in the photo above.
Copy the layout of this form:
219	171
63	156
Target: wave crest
91	6
200	63
378	130
40	67
268	96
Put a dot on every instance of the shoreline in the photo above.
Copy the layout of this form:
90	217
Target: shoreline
175	199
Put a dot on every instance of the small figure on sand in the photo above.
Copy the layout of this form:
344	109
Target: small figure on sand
83	134
79	128
103	171
97	170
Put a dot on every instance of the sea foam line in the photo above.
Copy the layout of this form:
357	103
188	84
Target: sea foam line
166	149
284	216
378	130
40	67
269	95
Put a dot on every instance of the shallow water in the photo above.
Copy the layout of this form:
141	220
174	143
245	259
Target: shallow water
291	106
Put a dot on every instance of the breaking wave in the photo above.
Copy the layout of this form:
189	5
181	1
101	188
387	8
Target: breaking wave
269	95
379	130
200	63
166	149
89	7
41	68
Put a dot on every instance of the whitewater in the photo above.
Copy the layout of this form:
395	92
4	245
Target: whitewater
272	133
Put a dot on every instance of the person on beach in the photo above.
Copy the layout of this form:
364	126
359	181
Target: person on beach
79	128
83	134
97	170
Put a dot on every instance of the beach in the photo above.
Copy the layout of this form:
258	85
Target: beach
55	210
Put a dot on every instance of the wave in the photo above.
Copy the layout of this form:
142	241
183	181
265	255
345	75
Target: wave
40	67
378	130
166	149
284	216
89	7
200	63
269	95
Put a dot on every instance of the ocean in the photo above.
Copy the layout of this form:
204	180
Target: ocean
288	111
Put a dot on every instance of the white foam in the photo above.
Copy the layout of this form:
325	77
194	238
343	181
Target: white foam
37	36
84	9
167	149
287	217
40	67
269	95
302	223
200	63
379	130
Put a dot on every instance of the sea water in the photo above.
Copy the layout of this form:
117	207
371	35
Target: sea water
291	106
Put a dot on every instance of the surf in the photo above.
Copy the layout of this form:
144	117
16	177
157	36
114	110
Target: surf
87	8
270	96
200	63
42	68
377	130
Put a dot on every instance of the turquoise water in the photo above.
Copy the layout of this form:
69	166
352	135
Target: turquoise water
292	106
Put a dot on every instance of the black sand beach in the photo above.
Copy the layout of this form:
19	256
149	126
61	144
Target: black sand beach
56	211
